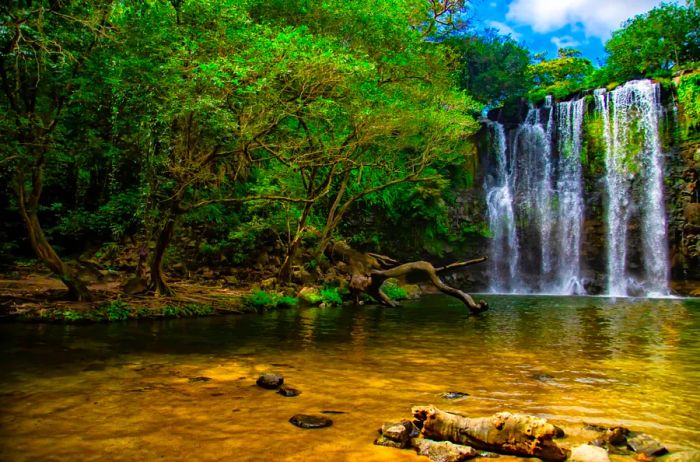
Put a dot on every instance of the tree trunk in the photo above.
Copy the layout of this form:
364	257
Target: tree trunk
158	283
285	272
505	433
46	254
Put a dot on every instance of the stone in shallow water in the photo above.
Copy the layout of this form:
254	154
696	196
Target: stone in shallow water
453	395
589	453
384	441
333	412
310	421
645	444
443	451
270	381
199	379
288	391
396	434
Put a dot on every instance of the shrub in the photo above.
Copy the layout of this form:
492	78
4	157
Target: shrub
394	291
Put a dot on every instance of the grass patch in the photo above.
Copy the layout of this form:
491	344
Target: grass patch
264	301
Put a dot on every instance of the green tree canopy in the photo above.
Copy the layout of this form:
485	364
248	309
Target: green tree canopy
492	67
654	43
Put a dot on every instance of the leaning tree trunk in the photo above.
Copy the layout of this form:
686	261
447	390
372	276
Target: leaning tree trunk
369	271
45	252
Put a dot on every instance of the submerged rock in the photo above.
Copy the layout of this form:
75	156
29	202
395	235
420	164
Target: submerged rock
270	381
645	444
443	451
199	379
310	421
589	453
288	391
453	395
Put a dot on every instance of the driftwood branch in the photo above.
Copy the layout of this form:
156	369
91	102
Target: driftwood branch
379	276
505	433
369	271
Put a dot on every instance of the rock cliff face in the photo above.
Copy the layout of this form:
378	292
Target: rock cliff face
679	149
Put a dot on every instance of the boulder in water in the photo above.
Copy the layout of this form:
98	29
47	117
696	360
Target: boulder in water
396	434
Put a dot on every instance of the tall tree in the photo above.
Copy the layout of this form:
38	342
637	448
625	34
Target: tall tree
44	46
653	43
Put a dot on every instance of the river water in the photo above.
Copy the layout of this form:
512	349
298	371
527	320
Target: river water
129	391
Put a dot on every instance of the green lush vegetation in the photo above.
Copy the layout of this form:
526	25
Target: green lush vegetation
164	136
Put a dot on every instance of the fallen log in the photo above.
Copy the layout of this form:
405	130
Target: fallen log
369	271
505	433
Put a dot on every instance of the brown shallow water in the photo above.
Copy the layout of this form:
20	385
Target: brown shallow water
122	391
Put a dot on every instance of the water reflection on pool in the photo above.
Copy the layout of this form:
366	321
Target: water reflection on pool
124	391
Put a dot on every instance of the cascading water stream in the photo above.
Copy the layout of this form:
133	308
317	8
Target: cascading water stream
570	194
499	200
634	179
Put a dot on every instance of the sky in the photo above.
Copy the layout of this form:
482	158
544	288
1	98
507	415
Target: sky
546	25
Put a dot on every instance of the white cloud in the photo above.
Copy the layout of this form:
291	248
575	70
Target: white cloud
565	41
504	29
597	17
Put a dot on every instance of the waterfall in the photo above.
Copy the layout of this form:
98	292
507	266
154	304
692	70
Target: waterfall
499	200
634	180
532	185
541	192
570	192
537	184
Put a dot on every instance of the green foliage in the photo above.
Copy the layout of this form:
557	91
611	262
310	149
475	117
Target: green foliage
115	310
655	43
330	296
264	301
689	101
189	310
492	67
560	77
394	291
71	316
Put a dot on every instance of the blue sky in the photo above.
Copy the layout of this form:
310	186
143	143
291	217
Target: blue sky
545	25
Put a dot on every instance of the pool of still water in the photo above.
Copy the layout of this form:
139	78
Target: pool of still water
124	391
